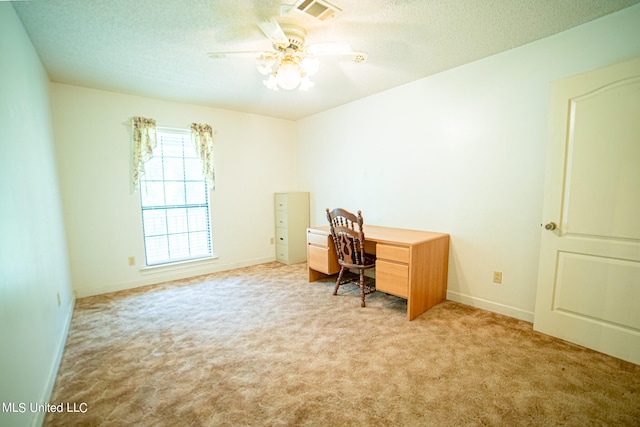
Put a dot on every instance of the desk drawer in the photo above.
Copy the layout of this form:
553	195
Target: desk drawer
317	239
392	278
392	253
318	259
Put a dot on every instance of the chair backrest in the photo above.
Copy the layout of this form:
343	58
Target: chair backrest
348	236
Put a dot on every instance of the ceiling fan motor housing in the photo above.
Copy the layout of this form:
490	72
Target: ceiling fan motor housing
295	34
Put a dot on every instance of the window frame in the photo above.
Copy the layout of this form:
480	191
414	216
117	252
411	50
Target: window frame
197	249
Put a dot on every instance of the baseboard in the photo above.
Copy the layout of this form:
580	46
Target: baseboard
38	419
160	275
514	312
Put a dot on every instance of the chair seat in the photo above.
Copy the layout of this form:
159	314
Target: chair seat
369	262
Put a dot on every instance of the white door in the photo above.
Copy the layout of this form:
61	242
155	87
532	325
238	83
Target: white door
589	275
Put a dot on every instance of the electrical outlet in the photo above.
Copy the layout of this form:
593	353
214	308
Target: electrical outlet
272	240
132	260
497	277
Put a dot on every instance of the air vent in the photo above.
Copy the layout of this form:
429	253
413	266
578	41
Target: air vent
317	8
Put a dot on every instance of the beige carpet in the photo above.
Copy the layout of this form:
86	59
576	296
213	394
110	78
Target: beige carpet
260	346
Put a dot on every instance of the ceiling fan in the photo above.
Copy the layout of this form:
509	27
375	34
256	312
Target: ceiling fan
291	61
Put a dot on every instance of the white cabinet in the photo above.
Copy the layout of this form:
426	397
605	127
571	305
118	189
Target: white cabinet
292	221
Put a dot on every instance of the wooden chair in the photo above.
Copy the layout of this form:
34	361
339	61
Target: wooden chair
348	237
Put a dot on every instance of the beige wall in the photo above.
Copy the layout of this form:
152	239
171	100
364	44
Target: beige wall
254	156
461	152
33	253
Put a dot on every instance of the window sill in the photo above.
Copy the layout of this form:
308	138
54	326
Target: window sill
177	266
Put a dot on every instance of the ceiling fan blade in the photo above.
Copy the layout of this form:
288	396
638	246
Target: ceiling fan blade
245	54
274	32
335	49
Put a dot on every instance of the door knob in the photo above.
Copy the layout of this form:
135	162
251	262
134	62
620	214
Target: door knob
550	226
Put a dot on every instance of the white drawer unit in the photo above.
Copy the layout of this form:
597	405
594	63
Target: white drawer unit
292	221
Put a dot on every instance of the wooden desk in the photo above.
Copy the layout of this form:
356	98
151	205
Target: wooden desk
410	264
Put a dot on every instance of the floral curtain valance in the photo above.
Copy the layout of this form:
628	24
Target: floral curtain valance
144	142
202	137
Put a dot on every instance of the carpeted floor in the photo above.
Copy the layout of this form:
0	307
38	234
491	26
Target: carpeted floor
260	346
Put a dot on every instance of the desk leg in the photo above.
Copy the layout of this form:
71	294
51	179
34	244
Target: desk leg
429	276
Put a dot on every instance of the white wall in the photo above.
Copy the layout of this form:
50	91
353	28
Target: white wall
254	157
461	152
33	257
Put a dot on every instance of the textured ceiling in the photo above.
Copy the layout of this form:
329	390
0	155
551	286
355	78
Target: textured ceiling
159	48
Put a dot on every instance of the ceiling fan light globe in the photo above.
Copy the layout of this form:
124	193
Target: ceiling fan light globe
305	84
288	76
271	82
310	65
264	70
265	65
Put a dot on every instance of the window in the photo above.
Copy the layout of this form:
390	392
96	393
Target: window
175	201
